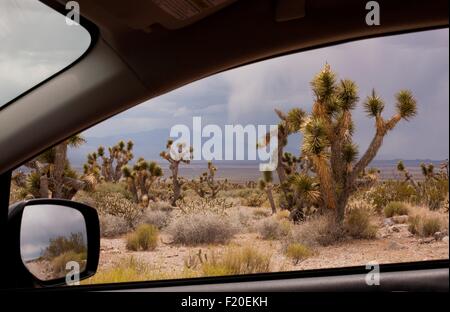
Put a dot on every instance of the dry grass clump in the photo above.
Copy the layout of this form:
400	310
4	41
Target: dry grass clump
112	226
59	263
298	252
423	222
358	224
272	228
144	238
204	228
254	199
237	260
261	213
158	218
396	209
133	270
317	231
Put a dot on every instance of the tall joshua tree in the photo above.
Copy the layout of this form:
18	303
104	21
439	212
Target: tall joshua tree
328	130
110	168
176	155
286	162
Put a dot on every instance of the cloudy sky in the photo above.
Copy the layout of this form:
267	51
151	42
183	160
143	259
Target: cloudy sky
35	43
248	95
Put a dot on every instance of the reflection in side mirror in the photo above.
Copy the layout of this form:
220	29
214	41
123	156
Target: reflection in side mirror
53	241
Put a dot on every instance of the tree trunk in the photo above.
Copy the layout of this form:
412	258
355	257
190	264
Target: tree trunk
271	201
58	170
43	186
175	182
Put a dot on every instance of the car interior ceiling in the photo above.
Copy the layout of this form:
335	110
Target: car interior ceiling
140	53
146	63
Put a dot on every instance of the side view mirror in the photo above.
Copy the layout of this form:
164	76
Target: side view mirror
53	242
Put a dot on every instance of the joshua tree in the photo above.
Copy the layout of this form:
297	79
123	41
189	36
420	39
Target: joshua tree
265	184
408	176
328	130
287	164
176	155
304	192
51	174
110	169
206	185
428	171
140	180
289	123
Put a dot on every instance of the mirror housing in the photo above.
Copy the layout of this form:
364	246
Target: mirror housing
24	278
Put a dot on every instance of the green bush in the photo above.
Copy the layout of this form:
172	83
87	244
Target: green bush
145	237
384	193
358	224
396	209
298	252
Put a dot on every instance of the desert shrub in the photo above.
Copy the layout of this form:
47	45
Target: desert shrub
254	199
272	228
75	242
317	231
117	204
59	262
160	219
145	237
261	213
358	225
205	228
240	218
106	188
396	209
244	260
161	206
199	205
383	193
430	226
423	222
111	226
435	193
298	252
414	224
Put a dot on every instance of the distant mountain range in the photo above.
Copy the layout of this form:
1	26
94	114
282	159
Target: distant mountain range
150	143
